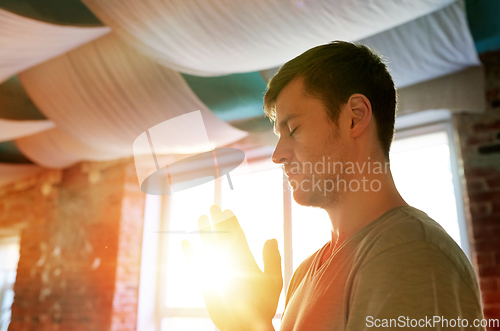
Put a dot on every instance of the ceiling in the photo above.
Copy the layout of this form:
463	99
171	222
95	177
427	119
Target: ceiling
230	90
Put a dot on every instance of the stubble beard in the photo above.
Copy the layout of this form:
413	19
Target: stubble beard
320	199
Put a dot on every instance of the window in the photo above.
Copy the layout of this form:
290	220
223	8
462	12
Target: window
9	257
423	164
181	303
425	169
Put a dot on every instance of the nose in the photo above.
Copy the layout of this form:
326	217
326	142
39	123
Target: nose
282	153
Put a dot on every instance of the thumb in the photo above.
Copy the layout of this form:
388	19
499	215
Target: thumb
272	262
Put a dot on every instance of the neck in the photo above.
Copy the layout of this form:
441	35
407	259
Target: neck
357	209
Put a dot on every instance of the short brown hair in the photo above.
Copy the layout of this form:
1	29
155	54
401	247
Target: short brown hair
335	71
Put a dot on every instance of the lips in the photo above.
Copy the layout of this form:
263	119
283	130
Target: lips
291	174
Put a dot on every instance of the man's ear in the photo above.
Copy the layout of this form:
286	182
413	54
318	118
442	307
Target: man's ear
360	112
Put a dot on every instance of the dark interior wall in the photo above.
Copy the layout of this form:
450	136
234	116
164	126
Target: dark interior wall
479	137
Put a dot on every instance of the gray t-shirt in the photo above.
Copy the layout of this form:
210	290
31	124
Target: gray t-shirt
399	272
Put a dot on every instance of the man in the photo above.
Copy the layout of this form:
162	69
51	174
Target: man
388	265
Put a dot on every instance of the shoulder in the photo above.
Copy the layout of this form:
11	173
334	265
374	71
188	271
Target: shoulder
408	242
410	264
405	227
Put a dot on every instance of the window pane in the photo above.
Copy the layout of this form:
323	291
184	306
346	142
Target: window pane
257	202
185	209
311	229
9	258
422	172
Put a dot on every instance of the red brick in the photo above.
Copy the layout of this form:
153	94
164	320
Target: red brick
489	271
485	196
491	297
81	219
478	172
493	183
489	284
479	209
486	259
490	246
493	312
481	233
496	207
476	185
479	140
489	220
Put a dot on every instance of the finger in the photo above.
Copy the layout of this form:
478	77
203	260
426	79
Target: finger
221	228
272	262
237	238
240	252
216	213
207	237
227	214
231	223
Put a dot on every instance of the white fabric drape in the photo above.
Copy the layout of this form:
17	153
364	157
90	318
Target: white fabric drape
432	46
25	42
435	45
10	129
56	148
209	38
103	95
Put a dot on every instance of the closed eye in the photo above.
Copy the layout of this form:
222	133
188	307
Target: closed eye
291	133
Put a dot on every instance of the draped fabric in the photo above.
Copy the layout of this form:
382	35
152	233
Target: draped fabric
105	94
209	38
10	129
56	148
25	42
429	47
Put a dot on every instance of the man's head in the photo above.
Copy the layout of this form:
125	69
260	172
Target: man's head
333	107
333	73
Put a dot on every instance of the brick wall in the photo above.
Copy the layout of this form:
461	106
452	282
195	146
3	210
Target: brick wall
81	231
479	137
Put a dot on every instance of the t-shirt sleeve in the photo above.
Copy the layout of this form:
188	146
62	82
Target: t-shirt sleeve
413	285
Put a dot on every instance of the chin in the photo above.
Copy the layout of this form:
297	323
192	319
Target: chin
310	199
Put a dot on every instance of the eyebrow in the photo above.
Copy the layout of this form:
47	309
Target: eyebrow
284	122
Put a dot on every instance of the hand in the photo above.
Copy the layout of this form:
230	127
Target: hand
237	294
